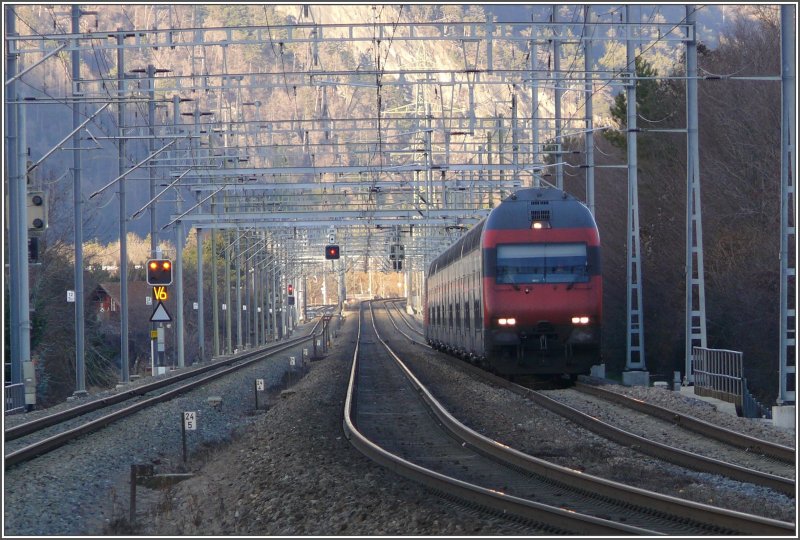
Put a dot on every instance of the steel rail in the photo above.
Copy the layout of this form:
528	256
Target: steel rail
33	426
656	449
36	449
405	320
494	500
740	440
711	515
641	444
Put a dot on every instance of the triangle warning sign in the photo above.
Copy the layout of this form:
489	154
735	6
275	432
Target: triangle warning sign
160	314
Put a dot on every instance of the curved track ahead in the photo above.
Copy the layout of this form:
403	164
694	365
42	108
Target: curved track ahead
389	416
747	459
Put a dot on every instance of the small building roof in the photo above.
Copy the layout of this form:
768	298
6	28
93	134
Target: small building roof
138	310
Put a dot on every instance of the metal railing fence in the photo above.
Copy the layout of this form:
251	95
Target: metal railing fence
719	373
15	398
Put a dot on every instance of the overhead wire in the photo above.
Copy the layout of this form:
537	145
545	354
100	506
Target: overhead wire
627	65
381	64
379	79
101	62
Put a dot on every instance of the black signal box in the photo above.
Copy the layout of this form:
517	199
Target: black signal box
159	272
332	251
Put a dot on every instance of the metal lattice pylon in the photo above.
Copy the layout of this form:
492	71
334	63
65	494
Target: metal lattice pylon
695	278
634	350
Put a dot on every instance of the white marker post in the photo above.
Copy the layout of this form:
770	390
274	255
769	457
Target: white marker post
259	388
188	422
292	368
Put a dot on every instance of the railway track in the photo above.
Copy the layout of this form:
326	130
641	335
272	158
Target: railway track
26	441
747	459
392	418
751	445
772	461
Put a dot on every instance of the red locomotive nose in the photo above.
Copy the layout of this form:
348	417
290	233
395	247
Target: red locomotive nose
521	292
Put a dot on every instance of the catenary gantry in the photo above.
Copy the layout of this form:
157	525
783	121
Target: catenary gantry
433	163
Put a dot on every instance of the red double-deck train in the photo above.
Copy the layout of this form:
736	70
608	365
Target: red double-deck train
521	292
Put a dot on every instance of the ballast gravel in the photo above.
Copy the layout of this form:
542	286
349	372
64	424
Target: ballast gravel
287	469
512	420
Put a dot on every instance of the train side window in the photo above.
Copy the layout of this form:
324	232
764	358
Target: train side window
450	316
458	315
478	318
466	315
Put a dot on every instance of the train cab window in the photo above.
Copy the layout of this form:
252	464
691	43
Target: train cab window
542	263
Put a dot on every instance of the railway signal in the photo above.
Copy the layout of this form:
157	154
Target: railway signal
159	272
332	251
290	289
397	252
37	212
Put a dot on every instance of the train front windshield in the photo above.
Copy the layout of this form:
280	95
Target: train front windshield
542	263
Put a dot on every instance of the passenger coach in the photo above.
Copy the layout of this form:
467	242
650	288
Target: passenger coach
521	292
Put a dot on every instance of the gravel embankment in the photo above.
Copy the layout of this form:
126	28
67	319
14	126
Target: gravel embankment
294	473
669	433
519	423
268	475
84	485
289	470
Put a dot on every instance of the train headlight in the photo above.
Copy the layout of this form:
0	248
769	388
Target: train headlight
507	321
580	319
540	224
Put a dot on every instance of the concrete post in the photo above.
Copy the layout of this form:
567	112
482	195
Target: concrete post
123	214
80	366
201	330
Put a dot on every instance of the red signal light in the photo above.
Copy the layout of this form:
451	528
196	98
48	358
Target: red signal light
290	288
332	251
